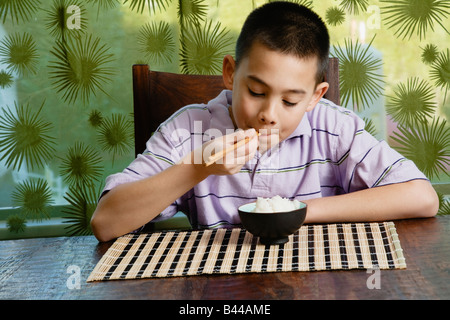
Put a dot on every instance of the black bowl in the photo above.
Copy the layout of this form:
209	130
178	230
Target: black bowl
272	228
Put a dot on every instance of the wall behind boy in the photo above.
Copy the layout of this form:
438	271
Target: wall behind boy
66	88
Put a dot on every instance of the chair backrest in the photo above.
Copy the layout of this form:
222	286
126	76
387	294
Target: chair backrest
157	95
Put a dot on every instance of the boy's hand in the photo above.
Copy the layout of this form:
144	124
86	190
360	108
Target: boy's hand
232	161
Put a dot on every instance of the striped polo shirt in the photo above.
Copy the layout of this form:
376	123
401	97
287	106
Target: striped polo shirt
329	153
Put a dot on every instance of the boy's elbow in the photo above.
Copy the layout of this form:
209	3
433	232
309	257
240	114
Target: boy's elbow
426	199
96	230
99	230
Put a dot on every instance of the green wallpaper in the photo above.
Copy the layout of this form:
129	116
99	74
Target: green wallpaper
66	95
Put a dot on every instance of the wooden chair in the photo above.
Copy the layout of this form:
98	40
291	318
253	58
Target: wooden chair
157	95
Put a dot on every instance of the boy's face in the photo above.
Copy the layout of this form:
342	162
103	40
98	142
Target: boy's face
272	91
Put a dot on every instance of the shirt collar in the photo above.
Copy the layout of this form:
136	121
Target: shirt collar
303	128
220	116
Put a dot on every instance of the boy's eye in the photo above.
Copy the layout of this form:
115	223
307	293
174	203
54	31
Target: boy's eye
255	94
289	104
286	103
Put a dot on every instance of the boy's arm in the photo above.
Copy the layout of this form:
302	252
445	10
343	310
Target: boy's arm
412	199
131	205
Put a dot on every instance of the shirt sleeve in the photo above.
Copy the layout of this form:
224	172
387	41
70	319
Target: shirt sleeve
159	155
368	162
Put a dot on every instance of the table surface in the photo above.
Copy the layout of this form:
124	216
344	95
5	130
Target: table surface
48	268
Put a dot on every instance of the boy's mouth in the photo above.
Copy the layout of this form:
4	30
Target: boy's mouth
267	138
267	132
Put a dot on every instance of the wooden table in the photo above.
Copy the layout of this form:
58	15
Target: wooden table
57	268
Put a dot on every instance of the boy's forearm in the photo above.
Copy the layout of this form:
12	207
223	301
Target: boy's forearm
131	205
413	199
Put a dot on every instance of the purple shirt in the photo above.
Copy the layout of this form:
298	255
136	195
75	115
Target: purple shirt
329	153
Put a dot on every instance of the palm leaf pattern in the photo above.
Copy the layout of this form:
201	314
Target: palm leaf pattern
57	18
440	71
16	224
83	201
359	78
306	3
370	126
81	68
105	4
81	165
415	16
428	146
115	134
139	5
203	48
335	16
95	118
34	198
18	9
413	103
24	137
191	12
6	79
444	205
429	53
444	208
19	53
156	41
354	6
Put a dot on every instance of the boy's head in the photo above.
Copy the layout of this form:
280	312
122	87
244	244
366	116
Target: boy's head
287	28
281	58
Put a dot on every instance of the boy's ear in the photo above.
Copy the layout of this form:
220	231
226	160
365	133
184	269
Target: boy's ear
228	70
320	91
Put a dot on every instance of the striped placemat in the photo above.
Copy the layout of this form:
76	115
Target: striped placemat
229	251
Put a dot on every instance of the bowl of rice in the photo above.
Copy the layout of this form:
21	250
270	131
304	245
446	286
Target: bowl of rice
273	220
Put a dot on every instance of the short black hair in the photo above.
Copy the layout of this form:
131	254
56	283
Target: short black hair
288	28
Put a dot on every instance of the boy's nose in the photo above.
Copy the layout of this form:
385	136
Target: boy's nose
267	114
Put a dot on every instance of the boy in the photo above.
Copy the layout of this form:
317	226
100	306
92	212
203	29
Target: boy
306	148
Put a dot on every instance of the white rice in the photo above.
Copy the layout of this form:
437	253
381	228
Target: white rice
275	204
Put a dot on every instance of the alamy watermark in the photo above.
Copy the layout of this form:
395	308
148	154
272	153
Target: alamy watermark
268	142
374	20
374	280
74	20
74	280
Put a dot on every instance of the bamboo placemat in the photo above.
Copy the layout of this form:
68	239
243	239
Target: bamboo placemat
229	251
